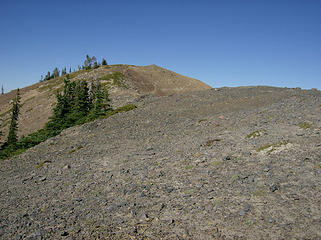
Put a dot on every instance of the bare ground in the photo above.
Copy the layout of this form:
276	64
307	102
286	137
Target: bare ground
230	163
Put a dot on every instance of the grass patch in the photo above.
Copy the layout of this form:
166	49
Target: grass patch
266	146
217	163
189	191
305	125
125	108
273	146
48	85
202	120
255	134
75	149
260	192
318	165
235	177
116	78
188	167
40	165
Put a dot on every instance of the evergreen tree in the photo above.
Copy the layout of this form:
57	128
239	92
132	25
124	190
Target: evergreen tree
2	90
47	77
69	70
63	71
95	65
87	63
100	101
61	117
12	136
82	102
104	62
55	73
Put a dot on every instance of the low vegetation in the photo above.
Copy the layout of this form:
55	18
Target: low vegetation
116	78
305	125
255	134
77	104
270	147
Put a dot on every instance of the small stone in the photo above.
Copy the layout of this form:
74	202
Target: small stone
163	205
169	190
111	208
274	187
247	207
144	218
64	234
242	213
271	220
227	158
66	167
122	204
43	179
250	179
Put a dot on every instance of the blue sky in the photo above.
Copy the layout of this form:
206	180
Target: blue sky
223	43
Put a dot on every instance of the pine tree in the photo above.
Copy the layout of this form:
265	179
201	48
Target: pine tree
12	136
55	73
61	118
100	101
95	65
63	71
82	102
87	63
104	62
47	77
2	90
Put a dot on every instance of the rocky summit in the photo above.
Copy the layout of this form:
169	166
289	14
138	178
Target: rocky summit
227	163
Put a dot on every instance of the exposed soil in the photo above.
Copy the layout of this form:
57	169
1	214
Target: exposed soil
230	163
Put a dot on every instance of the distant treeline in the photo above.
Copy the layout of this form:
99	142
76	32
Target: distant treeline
89	63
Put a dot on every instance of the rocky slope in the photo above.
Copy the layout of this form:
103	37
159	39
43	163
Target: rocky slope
125	83
230	163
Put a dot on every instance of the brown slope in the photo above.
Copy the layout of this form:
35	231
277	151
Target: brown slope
39	99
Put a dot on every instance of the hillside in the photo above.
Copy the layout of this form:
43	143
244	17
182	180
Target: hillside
229	163
125	83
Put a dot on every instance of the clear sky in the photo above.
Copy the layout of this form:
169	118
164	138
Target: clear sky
223	43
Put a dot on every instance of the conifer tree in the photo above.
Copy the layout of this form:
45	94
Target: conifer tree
100	101
95	65
47	77
2	90
104	62
12	136
55	73
82	103
63	71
